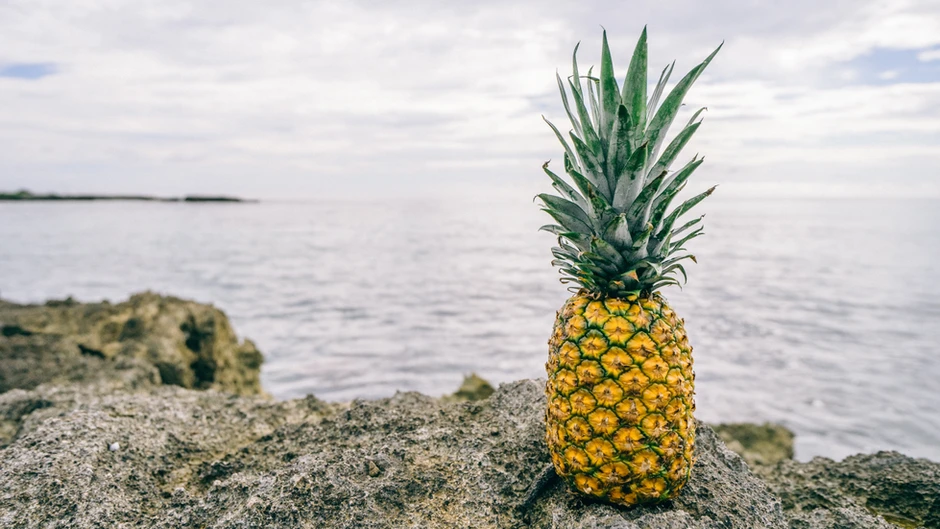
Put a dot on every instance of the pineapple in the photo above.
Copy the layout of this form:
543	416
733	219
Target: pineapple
620	380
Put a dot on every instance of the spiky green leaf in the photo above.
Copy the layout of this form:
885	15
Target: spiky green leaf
681	210
569	222
631	180
656	132
575	124
610	92
565	189
687	225
620	147
593	169
673	185
672	150
658	91
634	86
561	138
617	233
588	133
608	252
639	212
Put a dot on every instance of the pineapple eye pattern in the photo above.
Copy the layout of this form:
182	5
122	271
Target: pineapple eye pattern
625	434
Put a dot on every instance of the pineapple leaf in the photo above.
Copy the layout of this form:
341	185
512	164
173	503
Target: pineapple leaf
597	264
568	221
565	251
592	166
629	280
575	124
668	270
657	214
588	134
680	258
610	92
638	214
563	254
581	241
672	150
679	211
666	281
667	112
620	147
608	252
680	177
595	108
696	115
675	185
658	91
677	246
574	70
639	244
687	225
561	138
617	233
564	188
630	183
585	185
634	86
565	206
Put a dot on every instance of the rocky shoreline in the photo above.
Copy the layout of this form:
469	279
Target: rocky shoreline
53	197
149	413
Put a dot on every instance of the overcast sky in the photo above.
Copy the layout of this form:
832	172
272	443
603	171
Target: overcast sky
289	98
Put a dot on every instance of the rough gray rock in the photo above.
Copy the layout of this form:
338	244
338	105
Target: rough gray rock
179	342
206	459
883	490
861	491
98	430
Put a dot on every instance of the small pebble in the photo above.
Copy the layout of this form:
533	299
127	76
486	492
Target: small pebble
114	447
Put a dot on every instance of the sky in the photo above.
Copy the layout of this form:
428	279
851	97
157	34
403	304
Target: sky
352	98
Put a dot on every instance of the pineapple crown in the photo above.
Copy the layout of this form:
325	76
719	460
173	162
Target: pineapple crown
615	237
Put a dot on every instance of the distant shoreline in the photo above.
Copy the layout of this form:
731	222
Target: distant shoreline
52	197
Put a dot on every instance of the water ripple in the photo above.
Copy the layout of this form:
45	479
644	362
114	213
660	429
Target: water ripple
801	312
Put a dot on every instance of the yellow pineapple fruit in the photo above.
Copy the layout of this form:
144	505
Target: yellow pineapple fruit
620	385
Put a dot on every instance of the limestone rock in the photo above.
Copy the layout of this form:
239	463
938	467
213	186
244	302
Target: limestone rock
207	459
147	338
861	491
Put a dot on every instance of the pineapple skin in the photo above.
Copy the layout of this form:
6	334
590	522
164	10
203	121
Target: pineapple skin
620	389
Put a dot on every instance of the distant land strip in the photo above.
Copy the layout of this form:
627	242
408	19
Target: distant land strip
26	195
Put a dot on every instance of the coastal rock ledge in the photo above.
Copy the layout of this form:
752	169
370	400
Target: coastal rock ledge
117	444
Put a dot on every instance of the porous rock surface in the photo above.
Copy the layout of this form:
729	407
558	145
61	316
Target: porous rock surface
189	344
861	491
206	459
98	428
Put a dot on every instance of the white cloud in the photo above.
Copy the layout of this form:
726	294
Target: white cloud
289	98
929	55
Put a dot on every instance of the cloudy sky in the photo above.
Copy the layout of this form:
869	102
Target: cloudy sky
290	98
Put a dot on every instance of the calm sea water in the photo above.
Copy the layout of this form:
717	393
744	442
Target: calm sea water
821	315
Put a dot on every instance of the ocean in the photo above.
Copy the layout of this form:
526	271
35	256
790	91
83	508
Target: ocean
822	315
